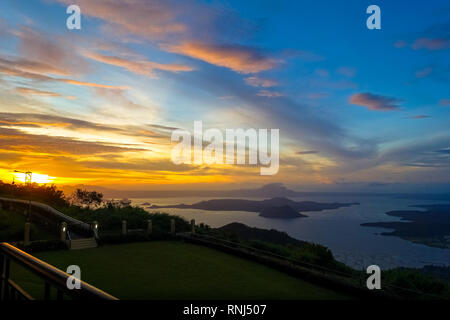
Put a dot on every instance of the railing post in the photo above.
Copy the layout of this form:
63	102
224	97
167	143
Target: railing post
5	279
172	226
193	226
124	227
95	228
2	266
63	231
26	236
47	291
149	227
51	276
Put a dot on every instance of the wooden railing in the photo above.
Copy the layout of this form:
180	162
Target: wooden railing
51	276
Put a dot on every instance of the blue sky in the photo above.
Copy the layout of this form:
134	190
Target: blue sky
353	105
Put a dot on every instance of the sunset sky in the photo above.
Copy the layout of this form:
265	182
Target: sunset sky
354	106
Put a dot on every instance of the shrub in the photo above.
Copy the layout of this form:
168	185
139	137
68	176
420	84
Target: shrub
415	281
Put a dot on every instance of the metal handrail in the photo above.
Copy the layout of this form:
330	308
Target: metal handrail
55	213
51	275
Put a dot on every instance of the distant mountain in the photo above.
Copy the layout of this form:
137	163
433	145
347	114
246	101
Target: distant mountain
266	191
255	205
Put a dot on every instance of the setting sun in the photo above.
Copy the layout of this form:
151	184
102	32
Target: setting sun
36	178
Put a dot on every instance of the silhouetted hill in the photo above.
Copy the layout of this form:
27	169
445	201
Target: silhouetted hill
247	233
430	227
283	212
256	205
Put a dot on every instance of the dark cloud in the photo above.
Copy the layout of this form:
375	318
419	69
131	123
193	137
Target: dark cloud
444	151
378	184
426	153
420	116
44	120
306	152
16	141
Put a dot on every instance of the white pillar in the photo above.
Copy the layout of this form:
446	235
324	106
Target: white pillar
149	227
172	226
63	231
124	227
193	226
95	228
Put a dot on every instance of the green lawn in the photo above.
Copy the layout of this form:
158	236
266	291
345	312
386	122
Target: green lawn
175	270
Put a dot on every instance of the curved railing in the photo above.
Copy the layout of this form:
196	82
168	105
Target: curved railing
52	215
52	277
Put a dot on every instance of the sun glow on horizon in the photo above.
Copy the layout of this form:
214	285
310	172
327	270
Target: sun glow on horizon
35	178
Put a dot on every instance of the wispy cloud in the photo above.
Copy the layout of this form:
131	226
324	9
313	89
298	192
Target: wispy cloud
375	102
400	44
424	72
142	67
242	59
347	71
148	19
306	152
431	44
420	116
30	91
269	94
256	81
18	68
60	53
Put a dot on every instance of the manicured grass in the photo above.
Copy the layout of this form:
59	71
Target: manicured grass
175	270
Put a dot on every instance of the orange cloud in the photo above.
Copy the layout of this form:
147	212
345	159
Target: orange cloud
91	84
142	67
15	68
29	91
151	20
32	66
238	58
